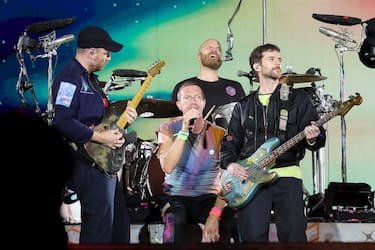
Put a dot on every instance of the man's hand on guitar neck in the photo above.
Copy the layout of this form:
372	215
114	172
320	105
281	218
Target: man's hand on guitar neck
238	171
311	132
131	113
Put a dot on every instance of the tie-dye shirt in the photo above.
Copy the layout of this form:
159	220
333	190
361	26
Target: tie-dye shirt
198	170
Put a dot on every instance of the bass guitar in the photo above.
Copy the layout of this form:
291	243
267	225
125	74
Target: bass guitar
108	159
238	193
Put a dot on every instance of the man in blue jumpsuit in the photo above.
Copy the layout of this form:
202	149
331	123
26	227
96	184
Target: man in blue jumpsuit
80	105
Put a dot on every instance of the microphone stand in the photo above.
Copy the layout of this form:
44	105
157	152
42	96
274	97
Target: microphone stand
264	8
340	48
49	52
228	54
50	110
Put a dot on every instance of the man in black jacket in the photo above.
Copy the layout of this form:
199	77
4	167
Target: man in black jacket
278	112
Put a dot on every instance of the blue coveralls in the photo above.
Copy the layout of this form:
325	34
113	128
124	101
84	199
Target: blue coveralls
79	104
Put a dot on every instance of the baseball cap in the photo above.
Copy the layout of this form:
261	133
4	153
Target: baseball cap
96	37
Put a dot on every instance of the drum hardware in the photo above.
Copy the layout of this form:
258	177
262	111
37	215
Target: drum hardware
122	78
159	108
323	104
151	108
326	104
136	166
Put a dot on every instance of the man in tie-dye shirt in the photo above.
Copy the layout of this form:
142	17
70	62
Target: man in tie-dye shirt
189	149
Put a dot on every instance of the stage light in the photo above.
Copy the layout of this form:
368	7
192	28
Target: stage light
367	49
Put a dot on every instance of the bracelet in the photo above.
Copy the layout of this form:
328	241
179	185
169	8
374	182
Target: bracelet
311	143
183	135
216	211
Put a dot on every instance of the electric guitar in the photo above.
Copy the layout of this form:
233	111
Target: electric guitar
108	159
238	193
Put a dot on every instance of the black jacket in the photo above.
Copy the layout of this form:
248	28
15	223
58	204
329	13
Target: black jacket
252	124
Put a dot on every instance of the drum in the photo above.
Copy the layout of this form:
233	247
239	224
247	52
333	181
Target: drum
155	177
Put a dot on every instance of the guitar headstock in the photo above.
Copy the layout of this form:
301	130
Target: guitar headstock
344	107
155	68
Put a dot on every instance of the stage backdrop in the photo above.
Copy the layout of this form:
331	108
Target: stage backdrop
172	30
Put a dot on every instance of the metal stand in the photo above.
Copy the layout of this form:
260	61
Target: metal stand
49	114
324	104
341	49
23	82
264	8
341	46
49	53
318	170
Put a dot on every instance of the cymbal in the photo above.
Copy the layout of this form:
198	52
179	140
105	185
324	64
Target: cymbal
300	78
157	108
151	108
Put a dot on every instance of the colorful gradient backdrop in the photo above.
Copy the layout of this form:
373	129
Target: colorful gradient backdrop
172	30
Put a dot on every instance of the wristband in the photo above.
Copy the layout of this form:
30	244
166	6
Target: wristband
216	211
183	135
311	143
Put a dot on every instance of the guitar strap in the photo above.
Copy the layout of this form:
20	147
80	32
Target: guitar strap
284	110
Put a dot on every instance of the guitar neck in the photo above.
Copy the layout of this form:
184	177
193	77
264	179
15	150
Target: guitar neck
293	141
123	120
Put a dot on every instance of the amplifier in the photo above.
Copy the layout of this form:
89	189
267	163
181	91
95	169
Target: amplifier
349	202
357	195
354	216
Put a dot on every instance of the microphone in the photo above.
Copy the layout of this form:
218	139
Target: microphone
46	26
337	35
333	19
129	73
59	41
241	73
191	123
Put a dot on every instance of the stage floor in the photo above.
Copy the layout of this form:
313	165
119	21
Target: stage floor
316	232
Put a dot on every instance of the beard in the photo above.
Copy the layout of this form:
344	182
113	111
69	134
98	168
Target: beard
211	62
274	74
